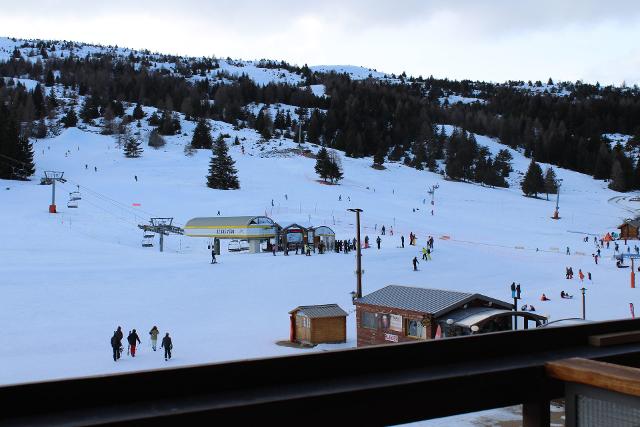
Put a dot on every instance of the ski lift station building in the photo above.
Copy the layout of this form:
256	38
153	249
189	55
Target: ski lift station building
254	229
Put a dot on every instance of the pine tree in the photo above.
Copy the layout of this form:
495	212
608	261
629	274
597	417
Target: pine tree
138	113
133	147
49	79
533	182
322	164
25	156
202	136
378	157
70	120
617	177
222	172
550	182
334	168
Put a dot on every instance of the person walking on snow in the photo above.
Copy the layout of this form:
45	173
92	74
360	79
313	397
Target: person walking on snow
402	241
581	274
133	338
589	275
167	345
378	240
213	256
383	230
135	177
115	345
428	254
415	263
568	251
153	333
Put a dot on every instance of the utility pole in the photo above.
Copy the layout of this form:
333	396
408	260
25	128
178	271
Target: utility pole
432	192
50	177
358	254
556	214
583	303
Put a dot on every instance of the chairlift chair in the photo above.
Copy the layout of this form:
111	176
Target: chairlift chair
147	239
75	195
234	246
72	204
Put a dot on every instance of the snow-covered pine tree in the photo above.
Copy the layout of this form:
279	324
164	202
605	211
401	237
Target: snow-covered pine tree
222	171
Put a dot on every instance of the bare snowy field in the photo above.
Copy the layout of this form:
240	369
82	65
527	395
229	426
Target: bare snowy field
69	279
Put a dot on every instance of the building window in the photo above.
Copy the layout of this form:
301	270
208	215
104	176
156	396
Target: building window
414	328
368	320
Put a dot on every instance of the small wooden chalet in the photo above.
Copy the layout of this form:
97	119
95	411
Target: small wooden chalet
402	314
629	229
317	324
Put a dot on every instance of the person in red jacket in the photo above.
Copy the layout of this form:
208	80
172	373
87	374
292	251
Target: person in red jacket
133	339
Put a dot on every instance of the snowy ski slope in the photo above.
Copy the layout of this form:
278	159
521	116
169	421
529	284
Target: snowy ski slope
70	279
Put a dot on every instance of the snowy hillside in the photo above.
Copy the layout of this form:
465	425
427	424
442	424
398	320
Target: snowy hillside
71	278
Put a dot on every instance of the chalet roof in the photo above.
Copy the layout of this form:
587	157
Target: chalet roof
317	311
424	300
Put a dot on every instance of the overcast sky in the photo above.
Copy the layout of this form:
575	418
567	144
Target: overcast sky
492	40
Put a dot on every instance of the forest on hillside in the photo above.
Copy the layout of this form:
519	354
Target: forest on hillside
395	119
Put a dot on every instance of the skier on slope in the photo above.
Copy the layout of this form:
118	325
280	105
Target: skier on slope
132	339
424	254
378	240
428	254
415	263
167	345
402	240
153	333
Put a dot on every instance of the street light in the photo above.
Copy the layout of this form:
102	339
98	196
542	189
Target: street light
583	303
358	253
556	214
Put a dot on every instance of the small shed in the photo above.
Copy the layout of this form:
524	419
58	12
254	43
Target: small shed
317	324
629	229
324	235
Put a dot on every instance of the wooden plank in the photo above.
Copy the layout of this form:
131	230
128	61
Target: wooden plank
614	338
618	378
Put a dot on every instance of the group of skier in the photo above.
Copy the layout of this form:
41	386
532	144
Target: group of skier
133	340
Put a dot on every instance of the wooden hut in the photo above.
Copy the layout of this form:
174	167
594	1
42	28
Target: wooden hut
317	324
629	229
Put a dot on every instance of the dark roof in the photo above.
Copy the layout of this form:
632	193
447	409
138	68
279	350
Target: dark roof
424	300
316	311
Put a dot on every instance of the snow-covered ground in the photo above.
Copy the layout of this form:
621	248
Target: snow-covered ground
70	279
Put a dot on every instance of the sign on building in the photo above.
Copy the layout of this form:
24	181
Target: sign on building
391	337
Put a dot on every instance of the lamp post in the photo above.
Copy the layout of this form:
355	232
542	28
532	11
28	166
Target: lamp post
583	303
358	254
